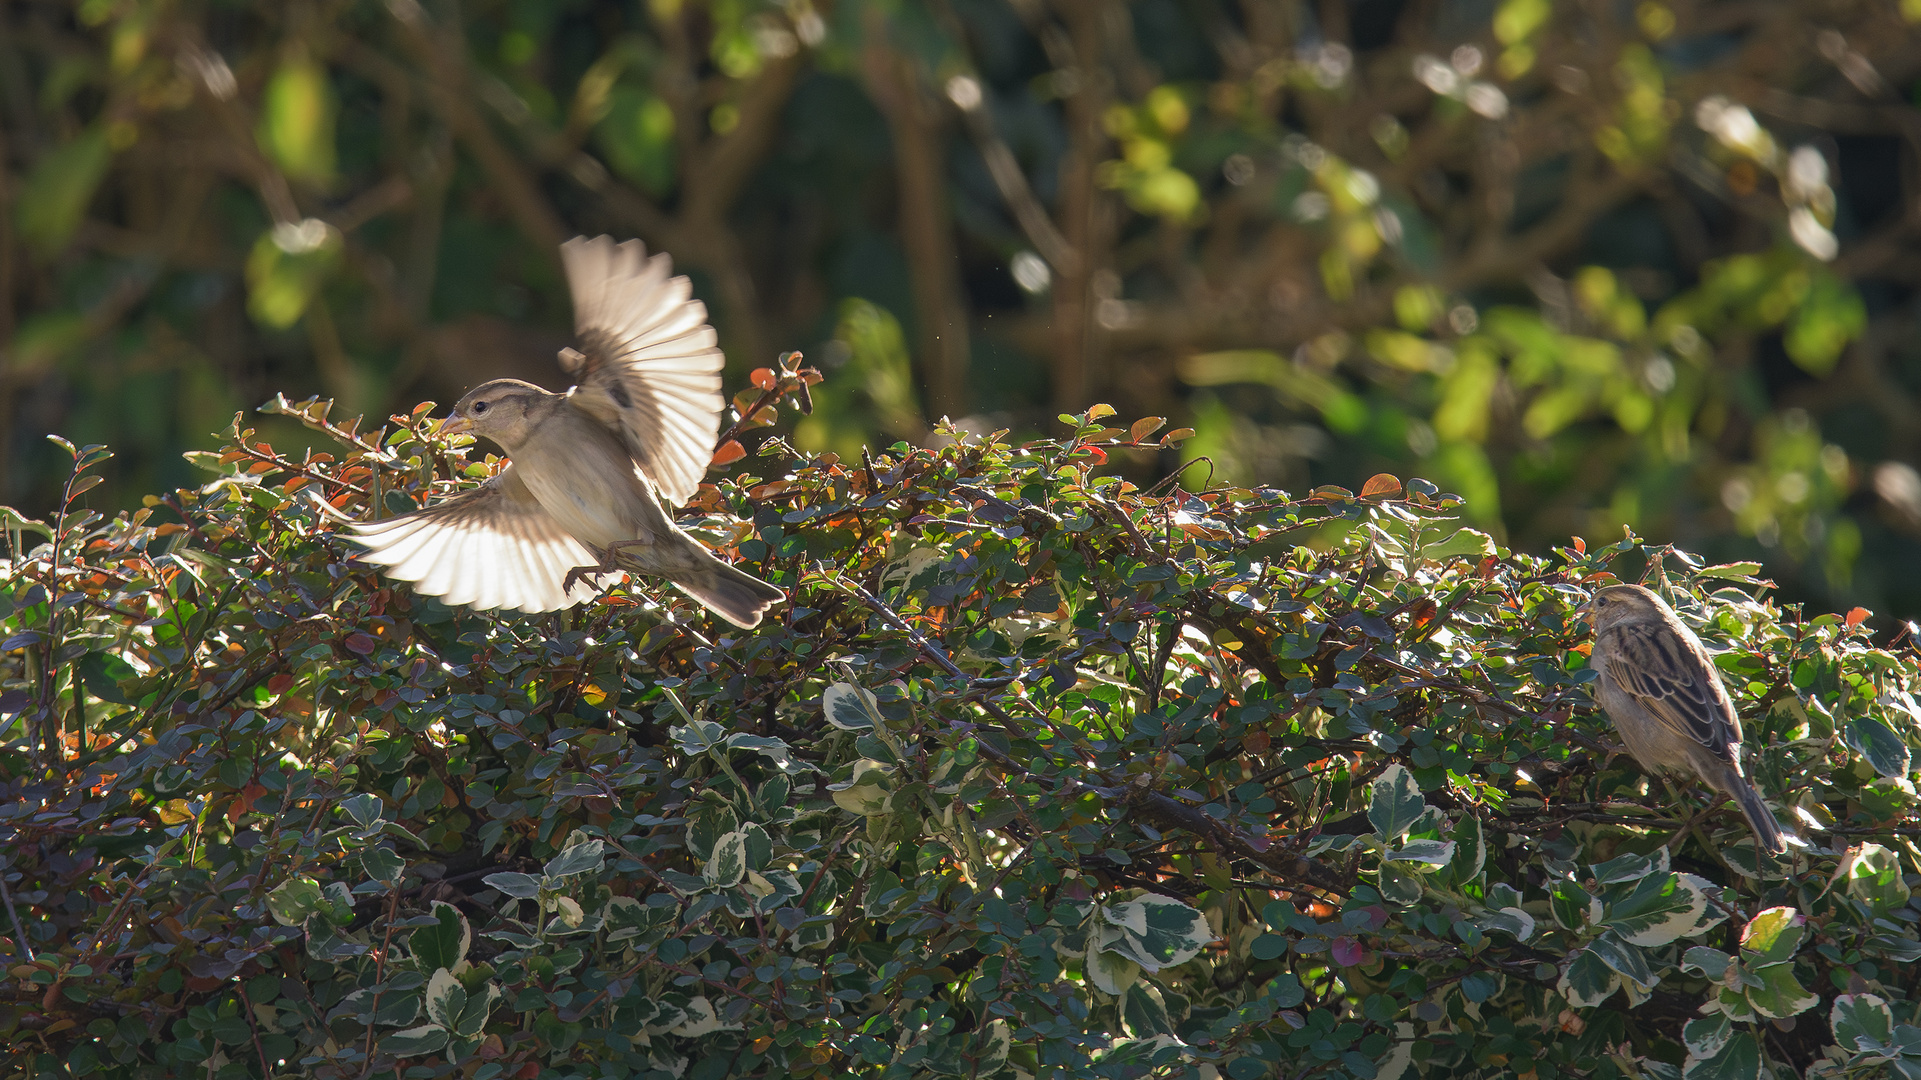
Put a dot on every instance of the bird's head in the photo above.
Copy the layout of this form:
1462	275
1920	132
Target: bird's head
1626	603
504	411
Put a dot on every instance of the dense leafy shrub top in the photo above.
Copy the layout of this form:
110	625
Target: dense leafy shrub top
1037	774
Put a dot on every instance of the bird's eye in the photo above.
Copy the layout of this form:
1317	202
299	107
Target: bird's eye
479	407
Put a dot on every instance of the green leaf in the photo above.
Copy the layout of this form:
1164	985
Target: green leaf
1572	906
1885	751
54	199
1831	316
1780	994
1706	1036
518	886
444	944
286	269
1394	803
580	858
1772	936
297	120
1710	962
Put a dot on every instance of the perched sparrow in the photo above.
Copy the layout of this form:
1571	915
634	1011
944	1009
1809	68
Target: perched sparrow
581	497
1667	701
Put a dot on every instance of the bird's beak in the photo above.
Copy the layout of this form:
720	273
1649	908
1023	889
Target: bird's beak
456	425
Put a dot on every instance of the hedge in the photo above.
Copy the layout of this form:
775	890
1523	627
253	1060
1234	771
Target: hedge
1038	773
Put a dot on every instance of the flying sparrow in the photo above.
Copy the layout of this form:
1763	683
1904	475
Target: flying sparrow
1660	687
582	495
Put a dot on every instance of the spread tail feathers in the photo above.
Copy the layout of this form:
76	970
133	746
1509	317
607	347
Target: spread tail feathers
734	595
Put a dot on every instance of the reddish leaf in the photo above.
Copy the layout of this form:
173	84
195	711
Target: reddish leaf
1348	951
1580	545
1098	456
359	643
764	378
1257	742
1145	426
729	452
1177	435
1382	485
1858	616
279	683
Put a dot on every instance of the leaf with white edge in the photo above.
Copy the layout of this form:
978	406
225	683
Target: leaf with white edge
1873	876
473	1019
416	1041
293	900
1663	909
849	707
1174	932
579	858
1399	887
701	1019
1709	962
1740	1059
1772	936
1434	853
1630	867
1144	1011
1780	994
1111	972
383	864
868	792
444	944
727	866
1626	959
363	809
1400	1054
1861	1022
774	750
626	918
1511	921
1470	849
699	737
1707	1035
1587	981
996	1041
1394	802
518	886
445	999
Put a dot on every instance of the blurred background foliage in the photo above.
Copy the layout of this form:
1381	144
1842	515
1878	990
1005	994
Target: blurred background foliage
1590	264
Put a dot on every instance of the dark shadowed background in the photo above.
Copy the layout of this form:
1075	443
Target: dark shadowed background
1590	264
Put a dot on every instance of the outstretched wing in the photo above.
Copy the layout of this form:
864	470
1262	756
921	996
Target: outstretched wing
648	366
1655	666
492	547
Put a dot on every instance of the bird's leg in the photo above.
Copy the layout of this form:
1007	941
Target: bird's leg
609	563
